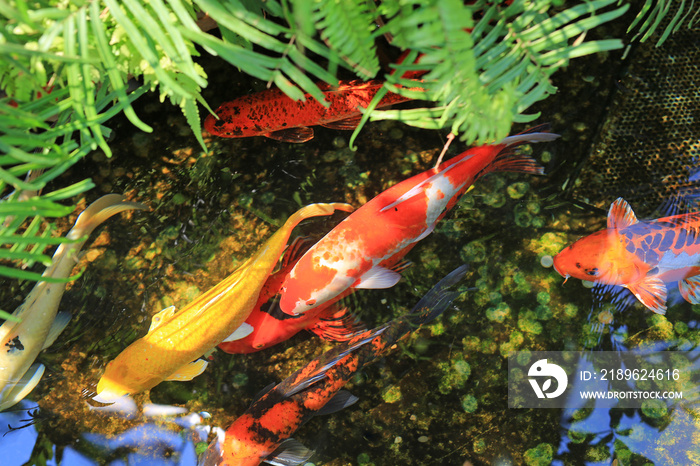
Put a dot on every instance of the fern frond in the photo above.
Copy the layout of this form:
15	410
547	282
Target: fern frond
484	80
349	32
654	13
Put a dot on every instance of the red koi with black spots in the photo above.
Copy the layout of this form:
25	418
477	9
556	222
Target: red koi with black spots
271	113
355	253
263	432
642	256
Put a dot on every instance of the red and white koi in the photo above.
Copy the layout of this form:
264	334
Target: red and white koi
356	252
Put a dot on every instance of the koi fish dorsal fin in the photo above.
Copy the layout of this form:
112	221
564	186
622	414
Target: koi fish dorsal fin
163	316
621	214
189	371
294	135
651	291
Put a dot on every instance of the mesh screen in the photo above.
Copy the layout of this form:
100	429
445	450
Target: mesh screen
649	144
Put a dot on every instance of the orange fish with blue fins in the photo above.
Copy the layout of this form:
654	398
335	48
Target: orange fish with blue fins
642	256
358	252
263	432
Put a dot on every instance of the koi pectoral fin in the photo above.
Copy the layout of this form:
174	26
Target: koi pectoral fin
15	392
690	289
293	135
344	124
188	371
289	452
651	291
59	324
378	278
241	332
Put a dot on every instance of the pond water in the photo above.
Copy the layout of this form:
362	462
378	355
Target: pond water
441	396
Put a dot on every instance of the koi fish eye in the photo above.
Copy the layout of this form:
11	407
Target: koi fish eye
592	272
310	302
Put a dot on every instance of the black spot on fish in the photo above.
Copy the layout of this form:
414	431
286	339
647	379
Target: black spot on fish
640	253
630	247
667	242
14	345
680	242
647	240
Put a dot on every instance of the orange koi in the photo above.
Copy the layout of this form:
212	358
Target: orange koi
263	432
355	253
642	256
271	113
175	340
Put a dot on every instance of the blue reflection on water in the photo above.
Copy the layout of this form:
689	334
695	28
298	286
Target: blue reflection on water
17	444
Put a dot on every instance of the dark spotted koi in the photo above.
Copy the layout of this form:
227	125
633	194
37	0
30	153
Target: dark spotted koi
642	256
271	113
263	432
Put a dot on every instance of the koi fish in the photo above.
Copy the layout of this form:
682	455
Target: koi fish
353	254
272	326
642	256
273	114
263	432
174	342
39	325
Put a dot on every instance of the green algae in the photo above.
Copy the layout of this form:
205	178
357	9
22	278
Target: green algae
455	375
518	189
469	403
499	313
392	394
541	455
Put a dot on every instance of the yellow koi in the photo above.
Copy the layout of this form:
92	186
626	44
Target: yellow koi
170	349
38	326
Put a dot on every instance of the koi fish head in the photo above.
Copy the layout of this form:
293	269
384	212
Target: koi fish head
112	384
601	258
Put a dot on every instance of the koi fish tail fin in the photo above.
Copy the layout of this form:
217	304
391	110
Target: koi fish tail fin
427	309
334	324
438	299
509	159
99	211
316	210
